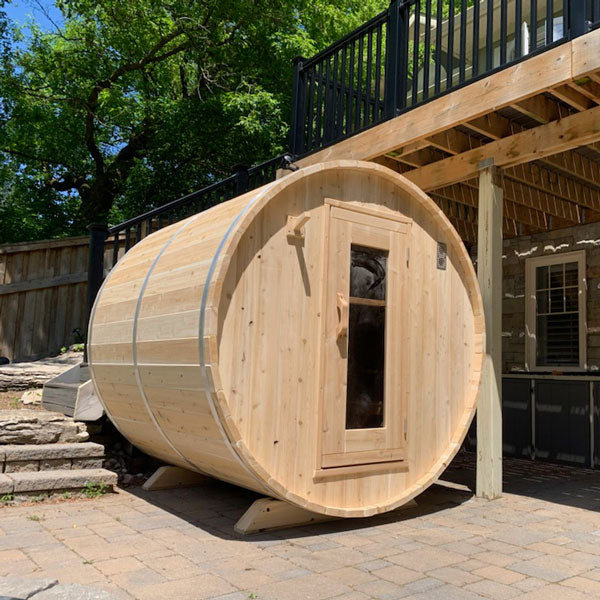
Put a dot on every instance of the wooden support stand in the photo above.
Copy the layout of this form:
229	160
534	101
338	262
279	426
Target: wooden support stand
268	514
168	477
489	274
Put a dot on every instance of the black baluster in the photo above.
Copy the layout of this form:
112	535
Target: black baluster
415	59
437	57
427	53
518	26
450	46
462	54
489	36
533	25
475	68
503	30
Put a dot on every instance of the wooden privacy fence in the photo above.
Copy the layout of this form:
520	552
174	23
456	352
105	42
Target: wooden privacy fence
43	296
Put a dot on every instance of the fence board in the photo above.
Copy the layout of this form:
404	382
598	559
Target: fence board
43	287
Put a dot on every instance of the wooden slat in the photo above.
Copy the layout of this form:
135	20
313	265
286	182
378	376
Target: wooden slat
43	283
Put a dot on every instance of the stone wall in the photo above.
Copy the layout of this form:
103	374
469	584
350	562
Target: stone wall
516	251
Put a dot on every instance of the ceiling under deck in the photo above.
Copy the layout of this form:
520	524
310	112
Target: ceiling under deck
558	190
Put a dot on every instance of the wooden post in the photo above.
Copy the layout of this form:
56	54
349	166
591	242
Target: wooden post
489	274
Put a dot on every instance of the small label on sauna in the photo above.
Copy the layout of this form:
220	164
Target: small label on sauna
442	254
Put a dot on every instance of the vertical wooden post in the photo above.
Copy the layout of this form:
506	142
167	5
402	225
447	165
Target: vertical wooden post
98	235
489	274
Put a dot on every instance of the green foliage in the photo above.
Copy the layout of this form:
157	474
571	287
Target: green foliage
93	490
6	498
41	497
127	105
35	518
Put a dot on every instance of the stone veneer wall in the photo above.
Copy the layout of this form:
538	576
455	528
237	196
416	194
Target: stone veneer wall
516	251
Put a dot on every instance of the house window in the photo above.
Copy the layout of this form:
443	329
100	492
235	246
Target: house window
555	289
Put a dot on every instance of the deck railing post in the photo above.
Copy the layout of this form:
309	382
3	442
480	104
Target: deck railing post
578	23
241	179
98	235
298	108
396	62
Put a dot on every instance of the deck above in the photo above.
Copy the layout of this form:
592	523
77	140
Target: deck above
539	120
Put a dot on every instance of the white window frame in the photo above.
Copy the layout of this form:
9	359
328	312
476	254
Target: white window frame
531	265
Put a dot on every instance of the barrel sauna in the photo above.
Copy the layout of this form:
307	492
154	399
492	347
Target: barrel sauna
318	340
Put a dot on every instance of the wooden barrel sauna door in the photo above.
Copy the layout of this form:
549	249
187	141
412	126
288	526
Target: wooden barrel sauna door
366	274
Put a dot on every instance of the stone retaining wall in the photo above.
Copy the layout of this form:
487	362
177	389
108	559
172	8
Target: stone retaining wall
50	457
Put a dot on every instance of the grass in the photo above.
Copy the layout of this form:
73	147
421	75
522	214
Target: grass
6	498
93	490
35	518
41	497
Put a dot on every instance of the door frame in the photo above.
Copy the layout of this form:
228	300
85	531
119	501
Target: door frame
329	465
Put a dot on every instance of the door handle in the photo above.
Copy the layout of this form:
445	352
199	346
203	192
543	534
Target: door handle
343	309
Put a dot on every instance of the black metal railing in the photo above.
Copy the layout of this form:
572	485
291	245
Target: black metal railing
108	244
593	15
418	50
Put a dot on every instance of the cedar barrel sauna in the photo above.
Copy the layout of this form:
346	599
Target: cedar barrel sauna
318	340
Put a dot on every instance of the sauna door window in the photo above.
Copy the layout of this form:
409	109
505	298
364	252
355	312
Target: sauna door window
363	420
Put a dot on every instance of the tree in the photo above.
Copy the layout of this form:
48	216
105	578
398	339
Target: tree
127	105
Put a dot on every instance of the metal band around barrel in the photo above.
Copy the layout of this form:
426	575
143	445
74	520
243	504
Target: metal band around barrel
134	335
205	381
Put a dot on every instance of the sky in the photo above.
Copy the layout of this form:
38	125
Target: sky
20	11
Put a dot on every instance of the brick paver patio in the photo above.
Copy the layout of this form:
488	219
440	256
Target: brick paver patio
541	541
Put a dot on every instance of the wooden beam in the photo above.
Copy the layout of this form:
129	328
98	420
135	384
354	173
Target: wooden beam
572	97
496	126
571	163
588	88
419	158
524	184
529	145
489	274
586	54
510	85
541	109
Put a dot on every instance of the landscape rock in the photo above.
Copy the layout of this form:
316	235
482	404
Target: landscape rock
25	375
32	397
39	427
19	588
6	487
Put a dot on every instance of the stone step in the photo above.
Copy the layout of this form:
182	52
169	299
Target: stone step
39	427
50	457
25	483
